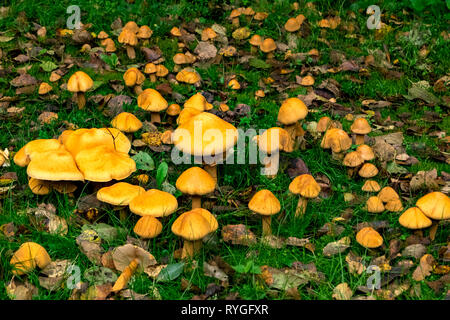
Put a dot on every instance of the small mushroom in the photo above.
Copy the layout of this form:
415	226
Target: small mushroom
265	204
79	83
306	186
338	140
367	170
130	40
352	160
148	227
369	238
151	100
134	78
374	205
268	46
193	226
371	186
29	256
196	182
414	219
292	111
360	128
154	203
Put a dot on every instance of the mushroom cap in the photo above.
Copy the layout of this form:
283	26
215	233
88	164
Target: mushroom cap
173	110
123	255
181	58
161	71
79	82
323	124
119	194
197	101
352	159
102	164
152	100
259	16
64	135
82	139
133	77
234	84
126	122
148	227
196	182
414	218
102	35
188	75
256	40
368	237
186	114
235	13
273	140
268	45
305	185
195	224
365	152
371	186
28	256
205	134
109	45
175	32
292	25
54	165
388	194
374	205
128	37
144	32
264	203
23	157
336	139
360	126
154	203
150	68
132	26
292	110
368	170
208	33
39	187
394	205
435	205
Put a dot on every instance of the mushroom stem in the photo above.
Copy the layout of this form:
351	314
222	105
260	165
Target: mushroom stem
359	139
270	55
190	248
433	229
125	276
271	165
266	225
212	170
137	89
123	214
152	77
196	202
130	52
301	207
292	131
155	117
81	100
339	156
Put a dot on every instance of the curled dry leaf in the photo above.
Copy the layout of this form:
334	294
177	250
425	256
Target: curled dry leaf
238	234
342	292
425	267
336	247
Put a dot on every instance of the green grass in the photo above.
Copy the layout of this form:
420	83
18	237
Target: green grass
17	132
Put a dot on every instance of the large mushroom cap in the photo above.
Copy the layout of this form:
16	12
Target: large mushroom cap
152	100
305	185
414	218
292	25
197	101
205	134
83	139
435	205
369	238
352	159
25	154
133	77
154	203
28	256
371	186
195	224
119	194
273	139
195	181
264	203
128	37
54	165
144	32
126	122
336	139
102	164
256	40
188	75
360	126
186	114
148	227
292	110
79	82
132	26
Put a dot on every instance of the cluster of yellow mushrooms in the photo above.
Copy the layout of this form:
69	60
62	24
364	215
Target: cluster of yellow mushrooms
102	155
